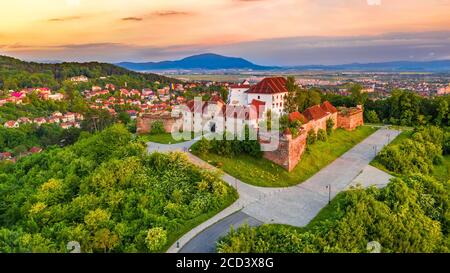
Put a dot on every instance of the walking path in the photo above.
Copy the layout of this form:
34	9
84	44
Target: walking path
296	205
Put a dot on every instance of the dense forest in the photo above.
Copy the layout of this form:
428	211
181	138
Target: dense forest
411	214
16	74
106	193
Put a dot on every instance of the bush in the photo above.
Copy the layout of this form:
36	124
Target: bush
156	238
415	155
372	116
446	145
312	137
157	128
202	146
321	135
330	126
229	148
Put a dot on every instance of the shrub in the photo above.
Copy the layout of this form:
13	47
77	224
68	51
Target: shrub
321	135
157	128
446	145
330	126
312	137
156	238
372	116
202	146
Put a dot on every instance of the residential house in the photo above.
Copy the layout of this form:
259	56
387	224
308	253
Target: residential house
40	121
11	124
24	120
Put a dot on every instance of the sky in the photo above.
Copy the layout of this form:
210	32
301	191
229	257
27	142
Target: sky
267	32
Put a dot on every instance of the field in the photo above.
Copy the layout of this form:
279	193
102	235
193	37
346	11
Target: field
264	173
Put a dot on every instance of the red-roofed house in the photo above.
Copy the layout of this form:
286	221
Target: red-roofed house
314	113
5	156
35	150
328	107
11	124
298	116
270	90
24	120
39	121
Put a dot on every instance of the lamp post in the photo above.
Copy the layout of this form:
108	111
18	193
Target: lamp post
375	148
329	193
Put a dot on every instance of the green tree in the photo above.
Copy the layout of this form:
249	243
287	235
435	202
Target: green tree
156	238
290	103
357	94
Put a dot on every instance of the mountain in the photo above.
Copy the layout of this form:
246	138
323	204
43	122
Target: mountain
211	61
206	61
397	66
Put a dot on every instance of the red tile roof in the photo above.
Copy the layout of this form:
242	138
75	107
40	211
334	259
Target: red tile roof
35	150
298	116
269	86
315	112
328	107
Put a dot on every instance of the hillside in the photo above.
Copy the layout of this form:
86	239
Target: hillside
28	74
206	61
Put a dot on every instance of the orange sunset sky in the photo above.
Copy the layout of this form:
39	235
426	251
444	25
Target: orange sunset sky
264	31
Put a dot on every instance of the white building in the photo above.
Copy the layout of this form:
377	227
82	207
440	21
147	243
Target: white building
270	91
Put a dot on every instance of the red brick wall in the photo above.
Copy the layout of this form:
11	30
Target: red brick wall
289	151
350	121
144	123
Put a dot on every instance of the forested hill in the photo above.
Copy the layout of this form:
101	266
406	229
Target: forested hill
15	72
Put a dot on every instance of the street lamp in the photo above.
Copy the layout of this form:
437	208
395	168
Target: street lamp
375	148
329	193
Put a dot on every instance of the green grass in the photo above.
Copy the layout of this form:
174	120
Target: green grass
160	138
192	223
328	213
264	173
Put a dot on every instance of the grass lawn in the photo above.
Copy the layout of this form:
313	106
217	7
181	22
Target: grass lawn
160	138
264	173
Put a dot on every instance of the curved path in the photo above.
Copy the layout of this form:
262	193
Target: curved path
296	205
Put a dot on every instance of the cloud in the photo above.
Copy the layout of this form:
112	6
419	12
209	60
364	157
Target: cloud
288	51
132	19
248	0
164	13
63	19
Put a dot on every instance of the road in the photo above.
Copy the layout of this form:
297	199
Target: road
296	205
205	242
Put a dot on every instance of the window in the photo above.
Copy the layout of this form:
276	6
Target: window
259	97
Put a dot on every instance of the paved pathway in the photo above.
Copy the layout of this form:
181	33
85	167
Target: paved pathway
205	241
296	205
